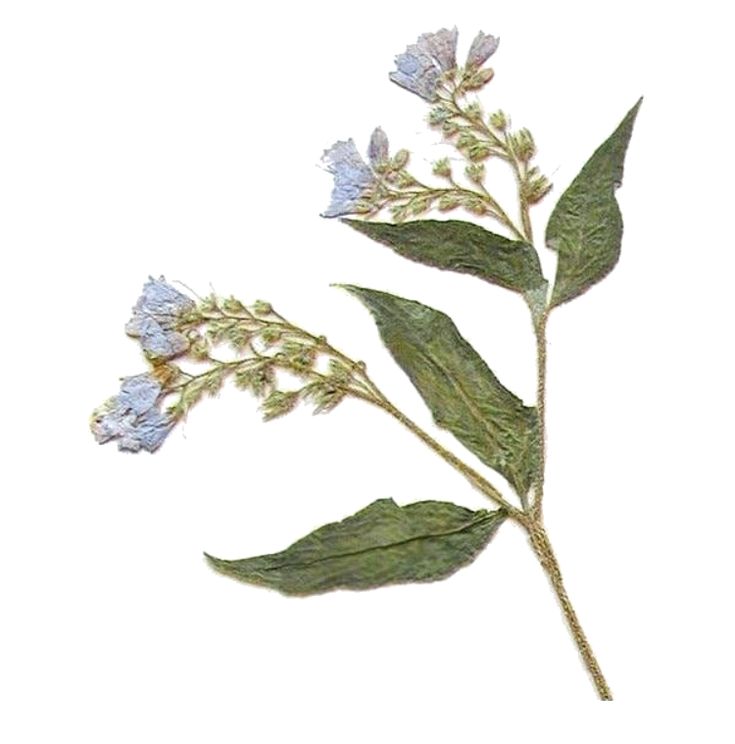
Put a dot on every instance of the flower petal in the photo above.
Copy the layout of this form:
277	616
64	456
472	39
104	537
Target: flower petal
139	393
417	72
441	46
420	67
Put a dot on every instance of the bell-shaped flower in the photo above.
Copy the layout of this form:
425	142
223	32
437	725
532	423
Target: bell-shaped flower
352	177
420	67
132	417
157	316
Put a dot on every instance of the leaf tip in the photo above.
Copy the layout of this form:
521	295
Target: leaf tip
216	563
634	111
351	288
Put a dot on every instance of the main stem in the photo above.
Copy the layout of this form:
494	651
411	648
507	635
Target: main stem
534	525
540	330
545	554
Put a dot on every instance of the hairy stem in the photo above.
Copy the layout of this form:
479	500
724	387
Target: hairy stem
540	329
544	552
535	526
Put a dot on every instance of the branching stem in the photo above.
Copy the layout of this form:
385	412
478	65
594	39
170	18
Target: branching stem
472	475
530	513
530	518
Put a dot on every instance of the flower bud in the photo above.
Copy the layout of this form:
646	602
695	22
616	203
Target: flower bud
499	120
442	168
400	160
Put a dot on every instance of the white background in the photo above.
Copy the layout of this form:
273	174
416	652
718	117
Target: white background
183	138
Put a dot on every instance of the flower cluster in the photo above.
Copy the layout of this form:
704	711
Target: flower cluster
180	338
134	417
429	69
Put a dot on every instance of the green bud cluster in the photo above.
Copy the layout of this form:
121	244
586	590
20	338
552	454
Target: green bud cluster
265	345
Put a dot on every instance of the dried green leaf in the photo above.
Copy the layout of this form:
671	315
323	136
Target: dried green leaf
586	227
463	394
460	246
380	545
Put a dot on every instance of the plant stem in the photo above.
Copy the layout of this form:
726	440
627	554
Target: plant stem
472	475
540	330
544	552
535	526
531	523
530	516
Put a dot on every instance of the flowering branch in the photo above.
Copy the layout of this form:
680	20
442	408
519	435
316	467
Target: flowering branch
193	348
429	69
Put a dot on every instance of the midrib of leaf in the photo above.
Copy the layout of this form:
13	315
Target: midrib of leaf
457	385
406	541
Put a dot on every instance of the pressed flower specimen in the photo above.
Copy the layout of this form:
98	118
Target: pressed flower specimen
380	197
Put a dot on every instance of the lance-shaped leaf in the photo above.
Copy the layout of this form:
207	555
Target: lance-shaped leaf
460	246
461	391
586	227
380	545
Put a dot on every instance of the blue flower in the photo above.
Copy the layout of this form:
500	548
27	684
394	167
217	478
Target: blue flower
483	47
132	417
352	177
156	317
420	67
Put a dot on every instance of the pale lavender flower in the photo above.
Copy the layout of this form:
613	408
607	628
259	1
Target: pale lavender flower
483	47
378	150
132	417
352	177
420	67
442	46
156	317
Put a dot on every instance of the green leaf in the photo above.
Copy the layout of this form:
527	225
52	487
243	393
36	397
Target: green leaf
460	246
381	544
460	389
586	227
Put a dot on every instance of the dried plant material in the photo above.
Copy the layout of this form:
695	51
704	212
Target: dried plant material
283	366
